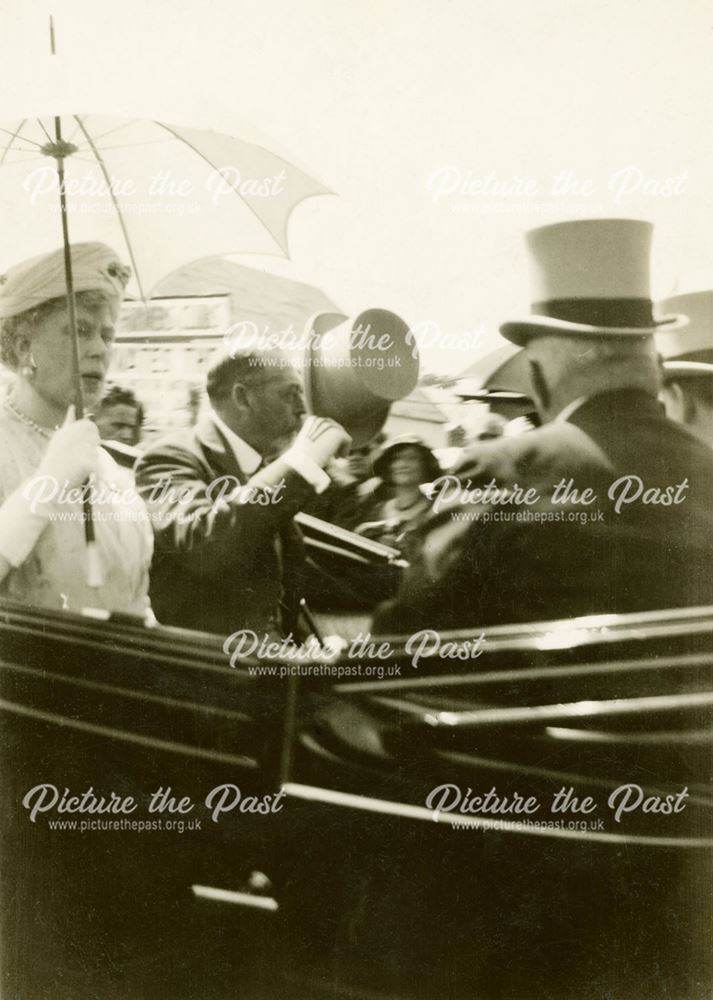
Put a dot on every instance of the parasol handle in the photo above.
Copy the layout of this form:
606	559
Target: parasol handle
94	570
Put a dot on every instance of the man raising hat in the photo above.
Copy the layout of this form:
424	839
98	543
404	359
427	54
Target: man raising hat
222	496
606	508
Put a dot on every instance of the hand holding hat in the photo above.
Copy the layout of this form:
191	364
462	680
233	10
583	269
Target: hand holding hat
319	441
322	439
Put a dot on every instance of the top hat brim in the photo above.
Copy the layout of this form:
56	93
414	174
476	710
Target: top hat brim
493	395
363	431
520	331
674	371
319	325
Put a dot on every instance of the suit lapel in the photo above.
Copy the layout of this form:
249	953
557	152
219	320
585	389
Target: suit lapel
287	540
218	453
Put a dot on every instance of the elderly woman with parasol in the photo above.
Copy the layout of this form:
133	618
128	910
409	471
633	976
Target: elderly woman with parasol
51	464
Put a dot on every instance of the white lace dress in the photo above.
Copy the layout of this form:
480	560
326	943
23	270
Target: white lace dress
55	573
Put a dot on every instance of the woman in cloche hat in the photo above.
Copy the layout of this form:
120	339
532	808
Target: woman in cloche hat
47	456
405	464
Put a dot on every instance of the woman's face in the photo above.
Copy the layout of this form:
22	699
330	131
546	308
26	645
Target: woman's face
407	467
359	462
51	349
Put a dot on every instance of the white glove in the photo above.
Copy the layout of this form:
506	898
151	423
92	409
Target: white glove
73	452
322	439
71	456
319	440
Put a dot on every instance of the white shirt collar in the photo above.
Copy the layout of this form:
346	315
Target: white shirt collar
247	458
564	415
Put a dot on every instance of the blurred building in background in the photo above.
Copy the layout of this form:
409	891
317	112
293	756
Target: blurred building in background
421	415
163	348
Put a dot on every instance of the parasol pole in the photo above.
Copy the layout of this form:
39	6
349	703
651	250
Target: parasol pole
94	574
59	155
59	150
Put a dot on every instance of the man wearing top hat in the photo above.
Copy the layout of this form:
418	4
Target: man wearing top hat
620	513
693	342
687	395
688	364
222	496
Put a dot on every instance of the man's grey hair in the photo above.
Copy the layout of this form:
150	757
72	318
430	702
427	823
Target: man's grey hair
247	366
579	365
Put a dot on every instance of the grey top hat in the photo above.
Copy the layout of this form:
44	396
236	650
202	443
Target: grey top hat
589	277
355	369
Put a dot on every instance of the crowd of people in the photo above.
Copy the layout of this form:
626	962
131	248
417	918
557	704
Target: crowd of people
606	506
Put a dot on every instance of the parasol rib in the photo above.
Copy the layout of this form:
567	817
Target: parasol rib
281	244
14	135
120	217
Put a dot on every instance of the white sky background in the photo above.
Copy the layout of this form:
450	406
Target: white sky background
374	96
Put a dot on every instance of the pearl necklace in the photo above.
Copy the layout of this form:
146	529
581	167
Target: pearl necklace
44	431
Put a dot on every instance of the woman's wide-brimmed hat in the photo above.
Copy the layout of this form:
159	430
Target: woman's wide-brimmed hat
356	368
695	341
382	463
590	277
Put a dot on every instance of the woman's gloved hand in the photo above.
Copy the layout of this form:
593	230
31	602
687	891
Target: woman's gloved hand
71	457
73	452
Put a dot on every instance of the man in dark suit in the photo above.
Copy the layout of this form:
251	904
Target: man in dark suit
222	496
638	532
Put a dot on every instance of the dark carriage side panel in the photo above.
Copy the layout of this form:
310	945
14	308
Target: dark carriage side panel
447	905
114	912
351	889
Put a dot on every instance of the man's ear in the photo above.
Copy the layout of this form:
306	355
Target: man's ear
680	406
688	404
539	384
239	396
